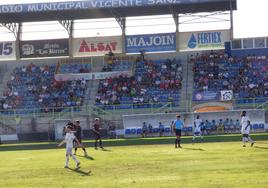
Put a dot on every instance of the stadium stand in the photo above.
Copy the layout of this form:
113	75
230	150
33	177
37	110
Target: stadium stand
153	82
33	87
246	76
75	67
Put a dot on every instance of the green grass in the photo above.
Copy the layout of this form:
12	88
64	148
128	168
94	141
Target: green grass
203	165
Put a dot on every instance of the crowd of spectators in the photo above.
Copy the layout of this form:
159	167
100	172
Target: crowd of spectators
153	82
34	86
74	67
247	77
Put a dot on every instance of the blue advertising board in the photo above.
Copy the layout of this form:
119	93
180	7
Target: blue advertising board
205	96
150	43
91	4
44	48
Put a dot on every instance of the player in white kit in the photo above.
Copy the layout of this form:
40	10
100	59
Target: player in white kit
197	128
245	129
68	139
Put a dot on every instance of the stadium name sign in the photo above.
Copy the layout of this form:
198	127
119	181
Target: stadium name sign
90	4
205	40
151	43
96	46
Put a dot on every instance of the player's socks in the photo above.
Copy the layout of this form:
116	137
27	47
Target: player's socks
78	164
74	158
176	143
67	161
101	144
179	143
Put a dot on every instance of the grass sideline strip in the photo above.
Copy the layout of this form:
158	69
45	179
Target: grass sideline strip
133	141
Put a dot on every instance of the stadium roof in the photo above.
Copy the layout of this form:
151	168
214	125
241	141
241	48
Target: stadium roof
90	9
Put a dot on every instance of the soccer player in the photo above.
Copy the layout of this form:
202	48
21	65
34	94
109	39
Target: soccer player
178	125
245	129
161	129
197	128
69	139
96	130
78	134
144	130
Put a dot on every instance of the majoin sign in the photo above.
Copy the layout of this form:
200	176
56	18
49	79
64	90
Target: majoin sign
151	43
97	46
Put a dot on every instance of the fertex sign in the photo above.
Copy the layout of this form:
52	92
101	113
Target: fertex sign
96	46
203	40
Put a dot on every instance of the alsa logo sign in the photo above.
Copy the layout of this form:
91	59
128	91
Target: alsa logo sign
7	50
205	40
97	46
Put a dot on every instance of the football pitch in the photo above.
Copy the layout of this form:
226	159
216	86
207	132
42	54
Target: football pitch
202	165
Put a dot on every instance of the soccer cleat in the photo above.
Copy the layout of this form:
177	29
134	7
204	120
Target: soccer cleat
101	147
252	144
66	166
96	148
244	145
78	165
180	146
74	153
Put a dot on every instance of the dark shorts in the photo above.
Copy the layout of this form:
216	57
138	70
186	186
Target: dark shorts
178	132
97	136
245	135
75	142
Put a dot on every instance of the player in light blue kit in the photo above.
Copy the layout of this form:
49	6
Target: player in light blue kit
177	126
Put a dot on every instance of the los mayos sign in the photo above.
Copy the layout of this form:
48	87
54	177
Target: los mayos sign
96	46
203	40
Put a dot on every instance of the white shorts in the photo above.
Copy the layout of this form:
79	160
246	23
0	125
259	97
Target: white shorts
69	151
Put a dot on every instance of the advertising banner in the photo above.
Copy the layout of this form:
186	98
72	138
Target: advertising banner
203	40
205	96
96	46
151	43
91	4
7	50
44	48
91	76
226	95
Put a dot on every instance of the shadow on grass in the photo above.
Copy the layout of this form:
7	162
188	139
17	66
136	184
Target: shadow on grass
81	172
260	147
87	157
104	149
196	149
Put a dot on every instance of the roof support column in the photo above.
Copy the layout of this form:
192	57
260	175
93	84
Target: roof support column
16	29
18	39
176	21
68	25
122	23
231	21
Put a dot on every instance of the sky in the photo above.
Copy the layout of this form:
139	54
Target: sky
249	22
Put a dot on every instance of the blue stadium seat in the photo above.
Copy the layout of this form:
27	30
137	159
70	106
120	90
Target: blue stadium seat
127	131
167	129
133	131
155	130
